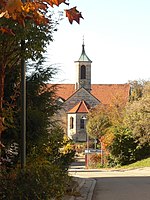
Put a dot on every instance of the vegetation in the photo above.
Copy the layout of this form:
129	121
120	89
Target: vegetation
139	164
21	11
41	179
123	130
48	153
98	122
21	23
138	116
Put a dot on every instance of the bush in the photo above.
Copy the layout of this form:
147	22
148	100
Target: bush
125	149
40	181
45	176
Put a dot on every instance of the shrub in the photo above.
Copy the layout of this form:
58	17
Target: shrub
123	147
39	181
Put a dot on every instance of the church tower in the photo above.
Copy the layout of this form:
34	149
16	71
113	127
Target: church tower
83	71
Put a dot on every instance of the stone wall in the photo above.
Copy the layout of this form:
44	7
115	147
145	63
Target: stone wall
78	96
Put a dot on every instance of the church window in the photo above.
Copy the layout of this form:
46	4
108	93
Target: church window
81	123
83	72
71	122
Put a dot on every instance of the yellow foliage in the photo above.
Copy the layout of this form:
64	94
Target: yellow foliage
67	145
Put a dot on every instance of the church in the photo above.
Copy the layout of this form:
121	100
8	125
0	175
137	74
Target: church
77	99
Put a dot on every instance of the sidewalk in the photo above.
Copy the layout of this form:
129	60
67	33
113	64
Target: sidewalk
84	190
85	185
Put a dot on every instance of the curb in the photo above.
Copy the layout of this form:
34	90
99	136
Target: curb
86	186
78	188
90	194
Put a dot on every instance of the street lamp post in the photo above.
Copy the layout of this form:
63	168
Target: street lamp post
101	153
23	104
23	108
87	144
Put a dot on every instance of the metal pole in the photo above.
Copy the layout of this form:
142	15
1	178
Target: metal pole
23	108
101	154
23	105
87	162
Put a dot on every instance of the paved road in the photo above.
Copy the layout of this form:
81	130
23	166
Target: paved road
122	188
132	184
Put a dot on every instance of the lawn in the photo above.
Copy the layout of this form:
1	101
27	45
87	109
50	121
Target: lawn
138	164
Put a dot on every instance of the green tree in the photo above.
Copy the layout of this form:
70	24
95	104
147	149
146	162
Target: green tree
123	149
103	117
98	122
41	103
136	90
45	176
138	116
36	39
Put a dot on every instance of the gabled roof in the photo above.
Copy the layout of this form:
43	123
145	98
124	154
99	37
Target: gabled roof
83	91
105	93
63	91
81	107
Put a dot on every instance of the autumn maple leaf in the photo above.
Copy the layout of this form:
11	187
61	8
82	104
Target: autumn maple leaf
56	2
33	9
73	15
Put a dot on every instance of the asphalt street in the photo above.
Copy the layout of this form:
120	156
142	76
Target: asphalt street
111	184
122	188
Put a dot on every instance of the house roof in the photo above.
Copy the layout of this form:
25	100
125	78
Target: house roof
64	91
81	107
105	93
84	92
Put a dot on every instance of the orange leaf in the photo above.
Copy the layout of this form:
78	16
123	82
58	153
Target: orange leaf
56	2
73	15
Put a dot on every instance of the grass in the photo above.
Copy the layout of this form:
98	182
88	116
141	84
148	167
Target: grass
139	164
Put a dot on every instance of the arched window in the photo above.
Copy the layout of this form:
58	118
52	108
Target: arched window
83	72
81	123
71	122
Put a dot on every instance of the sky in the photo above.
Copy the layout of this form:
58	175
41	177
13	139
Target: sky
116	37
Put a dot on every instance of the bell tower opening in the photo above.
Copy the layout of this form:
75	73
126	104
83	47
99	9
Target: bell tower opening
83	72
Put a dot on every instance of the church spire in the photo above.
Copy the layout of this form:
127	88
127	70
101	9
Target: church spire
84	57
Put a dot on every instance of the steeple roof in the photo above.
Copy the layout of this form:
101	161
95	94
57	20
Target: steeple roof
81	107
84	57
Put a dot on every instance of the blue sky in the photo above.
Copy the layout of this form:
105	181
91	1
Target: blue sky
117	40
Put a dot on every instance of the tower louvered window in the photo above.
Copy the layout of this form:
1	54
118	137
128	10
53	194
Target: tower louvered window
83	72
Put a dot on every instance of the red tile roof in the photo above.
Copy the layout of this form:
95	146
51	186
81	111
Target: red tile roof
105	93
81	107
64	90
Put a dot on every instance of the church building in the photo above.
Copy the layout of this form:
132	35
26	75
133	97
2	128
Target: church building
77	99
